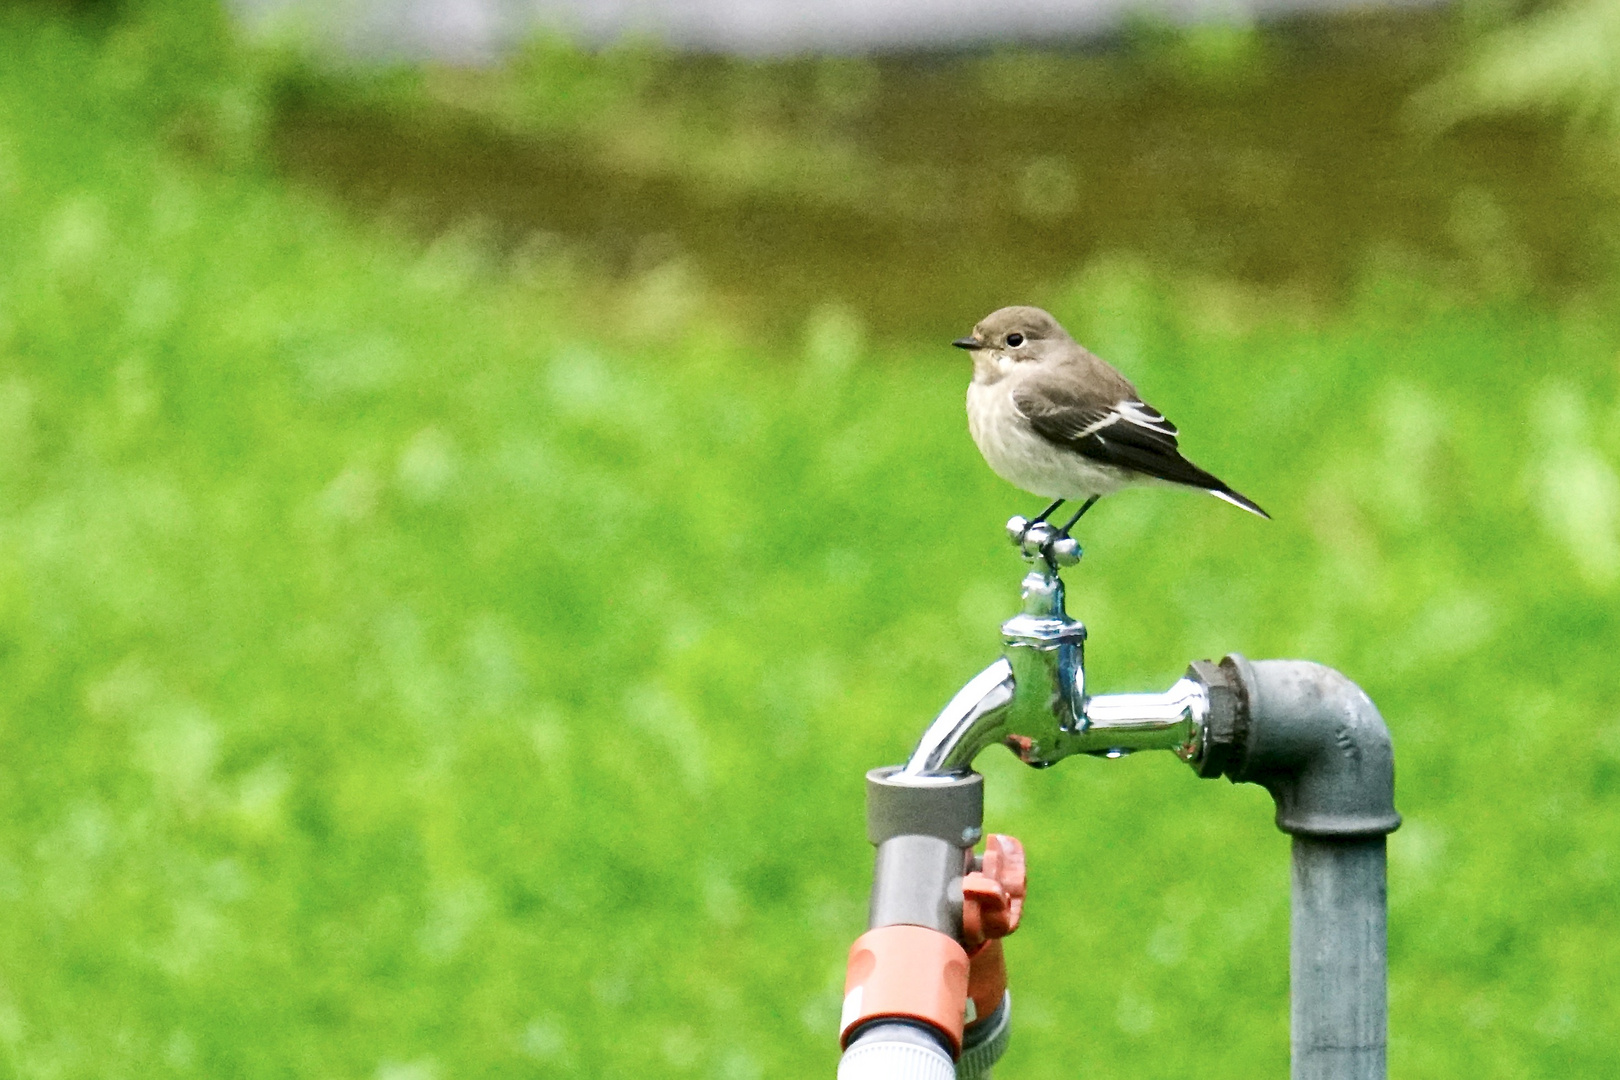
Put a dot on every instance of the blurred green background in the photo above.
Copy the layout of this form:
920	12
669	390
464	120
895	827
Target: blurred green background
464	533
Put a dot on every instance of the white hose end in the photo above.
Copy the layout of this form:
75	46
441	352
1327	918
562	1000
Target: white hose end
871	1060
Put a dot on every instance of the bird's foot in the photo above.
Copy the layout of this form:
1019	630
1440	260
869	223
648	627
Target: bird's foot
1039	540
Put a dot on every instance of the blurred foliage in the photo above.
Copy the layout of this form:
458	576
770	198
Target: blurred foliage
1268	157
432	659
1562	59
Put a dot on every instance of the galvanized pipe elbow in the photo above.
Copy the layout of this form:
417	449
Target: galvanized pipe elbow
1314	740
1306	734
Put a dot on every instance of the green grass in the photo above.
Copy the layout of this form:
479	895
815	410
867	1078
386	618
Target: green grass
420	663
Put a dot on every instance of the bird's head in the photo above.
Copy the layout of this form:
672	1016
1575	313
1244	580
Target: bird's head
1009	337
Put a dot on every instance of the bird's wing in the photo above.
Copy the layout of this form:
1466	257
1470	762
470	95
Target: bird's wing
1127	433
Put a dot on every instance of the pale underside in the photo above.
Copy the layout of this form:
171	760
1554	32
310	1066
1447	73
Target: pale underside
1026	460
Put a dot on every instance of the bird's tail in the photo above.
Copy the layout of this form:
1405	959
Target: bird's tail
1226	494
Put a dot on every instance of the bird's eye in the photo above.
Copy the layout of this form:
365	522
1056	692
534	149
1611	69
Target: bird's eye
1014	340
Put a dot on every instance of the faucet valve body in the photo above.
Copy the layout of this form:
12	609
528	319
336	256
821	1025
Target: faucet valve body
1034	700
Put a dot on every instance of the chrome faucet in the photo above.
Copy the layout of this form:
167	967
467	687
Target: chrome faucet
1306	733
1034	699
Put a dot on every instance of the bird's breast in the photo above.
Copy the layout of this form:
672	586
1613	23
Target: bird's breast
1020	456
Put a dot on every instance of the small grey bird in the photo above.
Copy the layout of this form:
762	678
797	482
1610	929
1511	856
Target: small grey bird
1054	419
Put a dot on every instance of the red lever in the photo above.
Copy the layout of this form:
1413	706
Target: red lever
992	902
993	897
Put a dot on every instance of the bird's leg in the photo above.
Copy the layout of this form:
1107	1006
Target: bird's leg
1087	505
1044	514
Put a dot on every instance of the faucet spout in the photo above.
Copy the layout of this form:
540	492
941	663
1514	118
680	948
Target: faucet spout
968	724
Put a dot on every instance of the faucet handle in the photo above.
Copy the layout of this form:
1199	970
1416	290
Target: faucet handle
993	893
1041	541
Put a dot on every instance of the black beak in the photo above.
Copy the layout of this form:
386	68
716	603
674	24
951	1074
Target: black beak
968	343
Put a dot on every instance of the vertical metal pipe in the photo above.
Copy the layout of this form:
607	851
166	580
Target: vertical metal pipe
1339	960
1317	743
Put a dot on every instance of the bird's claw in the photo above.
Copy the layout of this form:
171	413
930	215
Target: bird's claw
1040	540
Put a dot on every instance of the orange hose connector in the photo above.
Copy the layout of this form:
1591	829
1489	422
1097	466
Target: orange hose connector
906	973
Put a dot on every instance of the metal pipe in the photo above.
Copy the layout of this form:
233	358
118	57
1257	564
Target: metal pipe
1114	725
1338	1012
1314	740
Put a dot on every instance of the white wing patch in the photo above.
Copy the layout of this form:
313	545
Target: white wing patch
1092	429
1132	412
1144	415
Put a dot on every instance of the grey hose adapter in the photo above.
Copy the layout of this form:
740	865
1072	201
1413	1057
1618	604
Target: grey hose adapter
1306	734
924	834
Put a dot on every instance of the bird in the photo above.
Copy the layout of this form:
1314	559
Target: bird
1058	421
